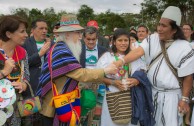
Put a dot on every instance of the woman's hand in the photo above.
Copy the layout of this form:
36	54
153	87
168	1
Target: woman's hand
21	86
119	85
8	67
132	82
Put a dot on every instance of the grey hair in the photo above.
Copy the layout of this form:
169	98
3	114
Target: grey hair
61	37
90	30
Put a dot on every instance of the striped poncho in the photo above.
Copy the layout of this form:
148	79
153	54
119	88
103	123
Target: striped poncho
63	62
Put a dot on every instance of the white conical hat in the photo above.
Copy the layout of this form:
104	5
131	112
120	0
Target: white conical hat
172	13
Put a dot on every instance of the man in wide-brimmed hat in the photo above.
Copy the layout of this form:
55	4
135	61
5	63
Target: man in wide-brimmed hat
66	70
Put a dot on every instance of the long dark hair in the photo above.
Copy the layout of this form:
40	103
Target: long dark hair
117	33
179	33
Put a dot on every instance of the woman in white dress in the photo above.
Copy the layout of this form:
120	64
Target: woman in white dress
120	48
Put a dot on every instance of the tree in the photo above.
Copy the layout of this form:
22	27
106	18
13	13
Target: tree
34	14
153	9
85	14
108	21
59	14
22	12
51	17
132	19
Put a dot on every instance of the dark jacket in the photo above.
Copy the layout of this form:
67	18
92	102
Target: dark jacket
103	42
34	62
101	50
142	103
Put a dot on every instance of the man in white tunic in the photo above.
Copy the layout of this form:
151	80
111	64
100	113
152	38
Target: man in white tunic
170	100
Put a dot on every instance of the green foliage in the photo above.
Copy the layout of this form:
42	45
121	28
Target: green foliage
33	15
152	10
107	21
85	14
51	17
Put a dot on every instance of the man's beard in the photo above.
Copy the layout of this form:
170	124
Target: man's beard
75	48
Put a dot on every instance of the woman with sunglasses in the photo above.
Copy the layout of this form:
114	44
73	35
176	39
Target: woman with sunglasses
13	59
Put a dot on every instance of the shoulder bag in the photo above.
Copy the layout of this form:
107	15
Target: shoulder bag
119	105
31	105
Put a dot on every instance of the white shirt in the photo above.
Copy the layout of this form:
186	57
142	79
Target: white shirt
91	57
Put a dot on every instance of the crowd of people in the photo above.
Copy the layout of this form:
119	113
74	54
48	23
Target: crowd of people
156	68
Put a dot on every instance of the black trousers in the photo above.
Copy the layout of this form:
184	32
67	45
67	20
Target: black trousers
47	121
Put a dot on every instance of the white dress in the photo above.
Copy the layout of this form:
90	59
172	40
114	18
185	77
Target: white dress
181	56
104	61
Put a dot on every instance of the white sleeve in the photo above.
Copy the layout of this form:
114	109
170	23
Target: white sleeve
145	45
104	60
151	47
185	66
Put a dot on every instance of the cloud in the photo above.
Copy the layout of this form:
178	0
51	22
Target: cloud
117	6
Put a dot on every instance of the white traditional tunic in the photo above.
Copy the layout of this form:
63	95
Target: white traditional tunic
104	61
139	63
165	87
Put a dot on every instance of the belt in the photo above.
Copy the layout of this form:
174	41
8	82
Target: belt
166	90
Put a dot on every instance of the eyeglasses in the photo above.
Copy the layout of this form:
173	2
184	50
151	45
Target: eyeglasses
186	29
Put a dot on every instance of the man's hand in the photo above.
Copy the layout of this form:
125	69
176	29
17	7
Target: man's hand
110	69
183	107
45	47
118	63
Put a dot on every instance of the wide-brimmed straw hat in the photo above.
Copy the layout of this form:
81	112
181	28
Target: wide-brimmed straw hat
69	23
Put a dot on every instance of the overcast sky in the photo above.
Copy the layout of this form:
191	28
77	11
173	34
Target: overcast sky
117	6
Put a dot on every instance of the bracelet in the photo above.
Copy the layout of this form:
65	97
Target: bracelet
185	97
185	100
123	61
3	75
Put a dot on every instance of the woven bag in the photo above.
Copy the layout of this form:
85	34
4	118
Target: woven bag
120	107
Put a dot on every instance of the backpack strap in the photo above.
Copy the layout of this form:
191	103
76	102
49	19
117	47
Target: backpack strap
172	68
